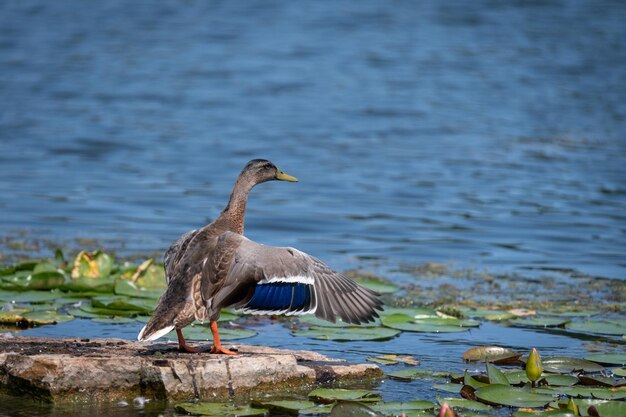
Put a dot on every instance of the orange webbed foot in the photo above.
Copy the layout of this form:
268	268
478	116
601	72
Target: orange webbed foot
221	350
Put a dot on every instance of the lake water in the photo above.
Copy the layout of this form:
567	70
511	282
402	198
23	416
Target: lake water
484	134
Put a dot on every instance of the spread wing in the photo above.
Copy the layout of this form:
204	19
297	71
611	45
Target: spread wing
260	279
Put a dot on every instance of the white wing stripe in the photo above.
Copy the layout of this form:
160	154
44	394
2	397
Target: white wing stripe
301	279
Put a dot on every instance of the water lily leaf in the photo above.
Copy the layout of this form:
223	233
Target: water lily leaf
89	285
29	296
495	375
619	371
464	404
564	365
548	413
315	322
153	278
45	266
293	407
41	281
219	409
495	354
429	325
511	396
472	382
610	327
492	315
559	380
412	312
394	359
399	408
113	320
570	313
583	405
453	388
598	380
13	317
411	374
608	358
345	334
91	310
541	322
38	318
601	393
125	287
611	409
328	395
124	303
352	409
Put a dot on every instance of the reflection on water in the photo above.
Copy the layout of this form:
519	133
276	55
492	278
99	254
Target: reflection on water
490	134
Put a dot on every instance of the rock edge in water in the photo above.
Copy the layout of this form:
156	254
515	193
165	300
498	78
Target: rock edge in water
74	369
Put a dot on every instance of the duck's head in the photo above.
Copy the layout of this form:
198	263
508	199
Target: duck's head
261	170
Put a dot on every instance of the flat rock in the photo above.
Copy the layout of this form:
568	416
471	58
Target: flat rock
74	369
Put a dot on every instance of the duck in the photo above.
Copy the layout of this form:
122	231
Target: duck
216	267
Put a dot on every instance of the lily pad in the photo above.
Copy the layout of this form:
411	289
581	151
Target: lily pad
219	410
564	365
452	388
611	409
41	281
541	322
495	375
489	354
392	359
29	296
353	409
428	325
608	358
548	413
412	374
124	303
512	396
399	408
462	403
473	382
294	407
329	395
610	327
619	371
125	287
346	334
87	284
37	318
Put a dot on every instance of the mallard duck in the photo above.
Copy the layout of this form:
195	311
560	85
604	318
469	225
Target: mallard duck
216	267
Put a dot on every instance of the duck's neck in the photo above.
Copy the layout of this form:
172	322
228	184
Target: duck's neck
235	211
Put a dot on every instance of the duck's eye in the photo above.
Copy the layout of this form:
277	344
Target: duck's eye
267	166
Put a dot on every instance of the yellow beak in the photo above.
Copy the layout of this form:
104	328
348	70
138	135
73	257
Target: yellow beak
281	176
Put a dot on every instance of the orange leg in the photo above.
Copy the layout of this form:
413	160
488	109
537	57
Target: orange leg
182	345
217	345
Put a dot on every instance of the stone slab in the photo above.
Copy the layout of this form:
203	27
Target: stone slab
73	369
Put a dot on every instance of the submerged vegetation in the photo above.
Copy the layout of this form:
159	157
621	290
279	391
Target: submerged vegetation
436	299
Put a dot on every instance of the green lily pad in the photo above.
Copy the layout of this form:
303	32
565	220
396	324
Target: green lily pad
584	404
511	396
495	375
315	322
41	281
608	358
489	354
37	318
412	374
127	288
449	387
87	284
399	408
462	403
472	382
598	380
328	395
610	327
548	413
429	325
563	365
611	409
295	407
541	322
619	371
91	310
559	380
412	312
219	410
379	285
124	303
114	320
29	296
354	409
392	359
345	334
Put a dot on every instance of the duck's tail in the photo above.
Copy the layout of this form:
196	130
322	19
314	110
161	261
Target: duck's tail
152	331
